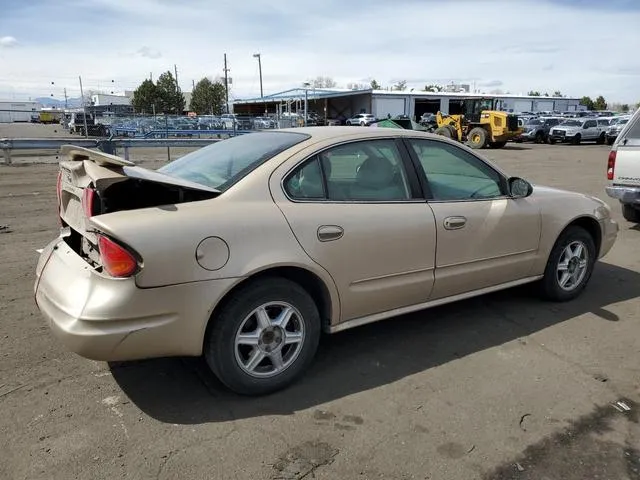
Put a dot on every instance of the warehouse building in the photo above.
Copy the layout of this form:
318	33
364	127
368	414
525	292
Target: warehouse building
343	103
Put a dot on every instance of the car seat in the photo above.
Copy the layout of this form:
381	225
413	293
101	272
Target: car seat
376	180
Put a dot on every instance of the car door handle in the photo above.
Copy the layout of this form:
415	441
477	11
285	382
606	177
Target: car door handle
454	223
327	233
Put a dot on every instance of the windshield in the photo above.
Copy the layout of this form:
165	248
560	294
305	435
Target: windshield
535	122
623	121
226	162
572	123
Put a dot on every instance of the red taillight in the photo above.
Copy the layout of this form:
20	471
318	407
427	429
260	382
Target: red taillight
88	197
116	260
611	164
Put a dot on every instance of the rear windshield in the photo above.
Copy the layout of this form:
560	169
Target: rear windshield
226	162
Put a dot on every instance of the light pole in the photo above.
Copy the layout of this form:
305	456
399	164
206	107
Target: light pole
257	55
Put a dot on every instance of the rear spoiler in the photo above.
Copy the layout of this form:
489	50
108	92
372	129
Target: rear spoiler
128	168
103	159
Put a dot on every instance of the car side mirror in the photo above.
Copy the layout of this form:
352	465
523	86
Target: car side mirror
519	187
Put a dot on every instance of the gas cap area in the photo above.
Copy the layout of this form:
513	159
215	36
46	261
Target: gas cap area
212	253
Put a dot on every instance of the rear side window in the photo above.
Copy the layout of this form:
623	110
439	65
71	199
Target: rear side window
634	129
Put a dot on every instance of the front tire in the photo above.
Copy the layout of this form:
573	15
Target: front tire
600	140
264	337
569	266
630	213
576	140
444	131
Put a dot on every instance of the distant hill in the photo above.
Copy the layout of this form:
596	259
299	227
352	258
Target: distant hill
54	102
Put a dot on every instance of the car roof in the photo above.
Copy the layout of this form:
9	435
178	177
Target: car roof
326	132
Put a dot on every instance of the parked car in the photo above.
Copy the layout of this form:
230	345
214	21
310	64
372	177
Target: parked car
263	122
537	129
615	128
243	251
578	130
623	169
362	119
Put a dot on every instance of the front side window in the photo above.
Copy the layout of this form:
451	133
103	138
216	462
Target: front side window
590	123
454	174
360	171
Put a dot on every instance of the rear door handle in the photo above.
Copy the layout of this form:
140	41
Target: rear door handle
327	233
454	223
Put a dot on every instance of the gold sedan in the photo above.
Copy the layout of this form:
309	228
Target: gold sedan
245	250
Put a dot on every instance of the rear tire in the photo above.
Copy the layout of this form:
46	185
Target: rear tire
610	141
562	263
539	138
630	213
477	138
230	358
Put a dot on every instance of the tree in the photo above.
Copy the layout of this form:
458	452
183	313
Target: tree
600	103
375	85
323	82
558	94
207	97
624	108
401	85
170	97
587	102
433	87
145	97
533	93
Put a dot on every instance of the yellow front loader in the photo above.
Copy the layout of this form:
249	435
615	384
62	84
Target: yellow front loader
480	126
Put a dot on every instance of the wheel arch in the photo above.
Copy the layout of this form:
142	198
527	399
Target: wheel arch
328	305
591	225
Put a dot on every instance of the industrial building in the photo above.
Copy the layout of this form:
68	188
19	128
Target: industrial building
343	103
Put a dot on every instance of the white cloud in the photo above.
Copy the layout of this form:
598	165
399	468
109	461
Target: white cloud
533	47
6	42
148	53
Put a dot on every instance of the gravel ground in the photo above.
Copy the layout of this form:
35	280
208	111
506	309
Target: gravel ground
499	387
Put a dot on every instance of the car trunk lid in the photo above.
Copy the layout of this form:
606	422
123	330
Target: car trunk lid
92	183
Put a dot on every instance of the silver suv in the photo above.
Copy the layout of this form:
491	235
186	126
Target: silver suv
362	119
615	127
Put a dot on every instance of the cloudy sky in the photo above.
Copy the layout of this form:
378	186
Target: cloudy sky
580	47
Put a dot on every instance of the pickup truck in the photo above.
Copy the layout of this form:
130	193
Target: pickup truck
578	130
623	169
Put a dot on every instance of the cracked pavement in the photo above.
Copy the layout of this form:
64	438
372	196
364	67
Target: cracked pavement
498	387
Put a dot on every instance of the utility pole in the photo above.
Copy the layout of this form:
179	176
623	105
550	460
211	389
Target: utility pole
84	109
226	82
193	85
175	69
66	104
151	76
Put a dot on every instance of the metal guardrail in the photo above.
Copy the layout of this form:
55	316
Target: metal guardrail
8	145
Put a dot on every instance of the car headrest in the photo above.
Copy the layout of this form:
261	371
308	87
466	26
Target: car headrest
375	172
